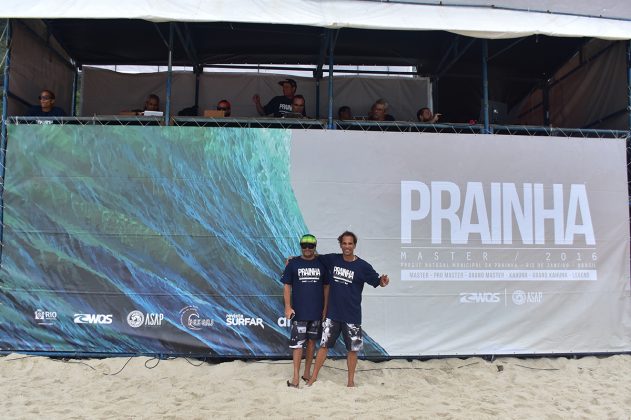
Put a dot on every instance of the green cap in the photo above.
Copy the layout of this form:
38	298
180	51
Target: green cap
308	239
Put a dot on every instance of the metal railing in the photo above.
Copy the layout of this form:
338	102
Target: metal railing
312	124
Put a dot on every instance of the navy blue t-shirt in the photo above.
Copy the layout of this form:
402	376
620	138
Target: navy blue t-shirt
347	285
307	278
36	111
278	106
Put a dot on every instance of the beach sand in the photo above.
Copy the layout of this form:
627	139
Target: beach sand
471	388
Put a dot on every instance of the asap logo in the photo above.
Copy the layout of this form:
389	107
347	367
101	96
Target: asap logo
92	319
480	297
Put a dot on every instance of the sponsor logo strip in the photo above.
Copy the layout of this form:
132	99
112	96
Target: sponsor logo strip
498	275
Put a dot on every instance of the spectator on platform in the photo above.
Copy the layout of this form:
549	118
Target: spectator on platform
46	107
298	106
344	113
190	111
224	106
278	105
425	115
152	103
379	111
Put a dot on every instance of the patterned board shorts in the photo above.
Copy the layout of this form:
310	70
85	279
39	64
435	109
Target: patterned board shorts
301	331
352	334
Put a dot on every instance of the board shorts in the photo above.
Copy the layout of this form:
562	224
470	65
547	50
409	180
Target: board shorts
352	334
301	331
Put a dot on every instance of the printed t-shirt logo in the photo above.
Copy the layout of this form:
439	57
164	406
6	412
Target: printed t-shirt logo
308	275
343	275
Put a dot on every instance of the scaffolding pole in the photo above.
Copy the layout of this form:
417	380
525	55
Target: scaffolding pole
3	132
485	86
167	112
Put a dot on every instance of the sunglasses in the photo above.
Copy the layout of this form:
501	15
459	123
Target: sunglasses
307	246
45	98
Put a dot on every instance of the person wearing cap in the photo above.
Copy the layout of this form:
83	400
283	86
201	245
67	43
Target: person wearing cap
278	105
348	274
224	106
305	293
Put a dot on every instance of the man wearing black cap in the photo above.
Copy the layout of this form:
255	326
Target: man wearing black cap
306	287
279	105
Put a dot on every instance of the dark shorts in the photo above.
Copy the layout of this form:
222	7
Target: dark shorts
352	334
301	331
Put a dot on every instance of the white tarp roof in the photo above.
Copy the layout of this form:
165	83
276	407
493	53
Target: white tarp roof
606	19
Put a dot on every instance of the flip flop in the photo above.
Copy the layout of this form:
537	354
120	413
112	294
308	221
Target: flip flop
289	384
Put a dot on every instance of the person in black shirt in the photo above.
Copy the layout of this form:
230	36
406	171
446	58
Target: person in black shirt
344	113
425	115
379	111
278	105
348	275
305	292
46	107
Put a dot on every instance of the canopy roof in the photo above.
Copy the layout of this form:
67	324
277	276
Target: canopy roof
529	40
606	19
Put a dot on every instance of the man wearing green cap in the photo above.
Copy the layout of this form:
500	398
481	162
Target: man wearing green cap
306	290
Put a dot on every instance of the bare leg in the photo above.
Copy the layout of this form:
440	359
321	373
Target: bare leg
309	359
351	362
320	358
297	358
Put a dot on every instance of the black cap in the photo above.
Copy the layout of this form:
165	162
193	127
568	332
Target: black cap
292	82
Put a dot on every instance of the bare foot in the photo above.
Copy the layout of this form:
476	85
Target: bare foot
351	385
305	378
311	381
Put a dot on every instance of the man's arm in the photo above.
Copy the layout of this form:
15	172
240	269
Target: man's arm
257	102
326	301
287	298
375	279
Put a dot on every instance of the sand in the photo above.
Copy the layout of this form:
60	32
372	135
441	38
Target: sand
472	388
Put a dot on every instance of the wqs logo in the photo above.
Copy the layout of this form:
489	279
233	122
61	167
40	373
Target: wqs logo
92	319
479	297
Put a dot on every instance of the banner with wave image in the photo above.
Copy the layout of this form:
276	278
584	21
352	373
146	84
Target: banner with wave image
166	240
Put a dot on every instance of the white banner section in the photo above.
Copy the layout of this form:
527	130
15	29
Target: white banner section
494	244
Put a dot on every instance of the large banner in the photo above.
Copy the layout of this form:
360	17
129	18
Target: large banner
172	240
